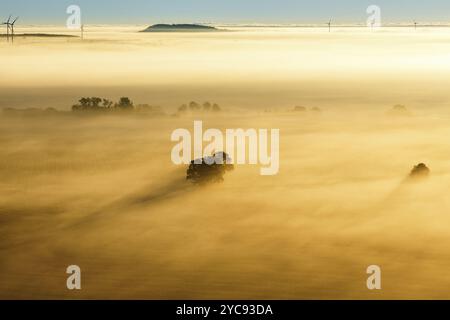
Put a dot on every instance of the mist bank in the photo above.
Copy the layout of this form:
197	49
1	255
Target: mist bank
358	95
102	193
357	112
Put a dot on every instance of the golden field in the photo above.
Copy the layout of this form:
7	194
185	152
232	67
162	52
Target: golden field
101	191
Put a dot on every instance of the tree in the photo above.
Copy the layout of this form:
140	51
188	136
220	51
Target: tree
194	106
107	103
100	104
183	108
76	107
84	102
125	104
216	108
399	110
207	106
420	171
95	102
209	169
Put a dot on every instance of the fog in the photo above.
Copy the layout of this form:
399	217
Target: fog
101	192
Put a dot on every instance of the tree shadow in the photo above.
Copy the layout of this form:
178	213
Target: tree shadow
144	197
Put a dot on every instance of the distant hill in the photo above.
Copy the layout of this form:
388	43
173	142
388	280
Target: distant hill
180	28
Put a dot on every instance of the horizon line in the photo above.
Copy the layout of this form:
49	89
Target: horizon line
254	24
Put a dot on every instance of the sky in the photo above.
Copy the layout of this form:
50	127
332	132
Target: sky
224	11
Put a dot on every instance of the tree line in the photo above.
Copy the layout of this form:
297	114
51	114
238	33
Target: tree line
125	104
100	104
194	106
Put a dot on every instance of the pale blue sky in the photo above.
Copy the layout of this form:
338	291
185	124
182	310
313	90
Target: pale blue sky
219	11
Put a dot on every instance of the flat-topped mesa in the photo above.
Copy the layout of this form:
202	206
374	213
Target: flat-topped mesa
180	28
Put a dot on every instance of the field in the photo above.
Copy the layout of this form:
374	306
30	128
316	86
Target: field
101	192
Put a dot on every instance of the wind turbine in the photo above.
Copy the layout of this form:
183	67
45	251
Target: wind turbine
8	25
329	26
12	28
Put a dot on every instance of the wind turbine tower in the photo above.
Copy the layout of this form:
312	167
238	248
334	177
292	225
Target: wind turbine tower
8	26
12	28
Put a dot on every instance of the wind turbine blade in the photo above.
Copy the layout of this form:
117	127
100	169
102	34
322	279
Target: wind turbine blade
15	20
9	19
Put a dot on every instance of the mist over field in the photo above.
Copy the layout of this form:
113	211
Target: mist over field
100	191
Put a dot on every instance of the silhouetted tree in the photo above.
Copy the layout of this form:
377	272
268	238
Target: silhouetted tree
399	110
420	171
207	106
300	109
183	108
84	102
150	110
95	102
107	103
209	169
83	105
125	104
399	107
194	106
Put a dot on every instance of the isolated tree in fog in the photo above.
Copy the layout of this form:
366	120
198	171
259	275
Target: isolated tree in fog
420	171
209	169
